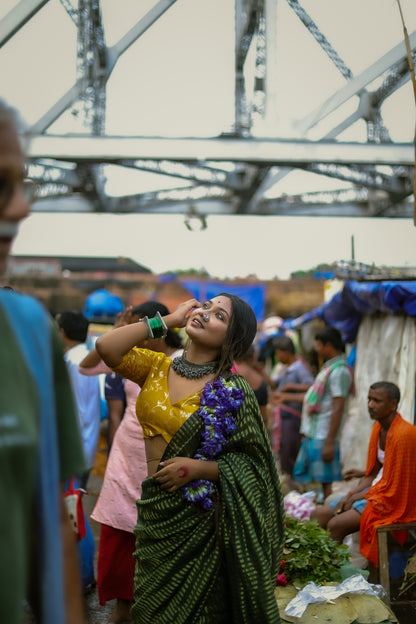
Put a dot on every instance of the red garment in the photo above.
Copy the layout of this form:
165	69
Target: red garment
115	565
393	499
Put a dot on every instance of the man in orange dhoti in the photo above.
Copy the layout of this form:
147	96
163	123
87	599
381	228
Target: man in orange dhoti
385	493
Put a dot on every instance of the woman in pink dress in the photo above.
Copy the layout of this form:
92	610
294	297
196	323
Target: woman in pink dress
126	468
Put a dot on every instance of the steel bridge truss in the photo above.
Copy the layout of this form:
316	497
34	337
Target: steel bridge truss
231	173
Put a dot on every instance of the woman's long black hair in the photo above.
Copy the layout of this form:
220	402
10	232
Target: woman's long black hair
240	334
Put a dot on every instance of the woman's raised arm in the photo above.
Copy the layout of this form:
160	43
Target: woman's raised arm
113	345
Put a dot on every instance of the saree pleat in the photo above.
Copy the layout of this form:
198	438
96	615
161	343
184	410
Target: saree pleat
195	567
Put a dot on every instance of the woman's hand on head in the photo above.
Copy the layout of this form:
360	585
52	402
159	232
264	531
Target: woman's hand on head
179	317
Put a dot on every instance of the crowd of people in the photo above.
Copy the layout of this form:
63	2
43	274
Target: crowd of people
200	433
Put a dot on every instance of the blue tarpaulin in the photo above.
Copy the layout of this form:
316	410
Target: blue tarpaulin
357	299
253	294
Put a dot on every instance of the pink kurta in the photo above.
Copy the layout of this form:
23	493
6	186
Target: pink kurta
126	465
125	471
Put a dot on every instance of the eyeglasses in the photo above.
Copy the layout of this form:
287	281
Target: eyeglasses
8	187
30	189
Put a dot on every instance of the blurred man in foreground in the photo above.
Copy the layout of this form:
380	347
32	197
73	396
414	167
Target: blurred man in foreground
39	437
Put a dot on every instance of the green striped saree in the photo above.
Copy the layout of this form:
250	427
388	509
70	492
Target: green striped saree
217	566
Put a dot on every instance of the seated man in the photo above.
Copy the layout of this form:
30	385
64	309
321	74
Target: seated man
385	493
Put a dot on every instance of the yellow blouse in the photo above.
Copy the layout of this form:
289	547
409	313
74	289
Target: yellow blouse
154	410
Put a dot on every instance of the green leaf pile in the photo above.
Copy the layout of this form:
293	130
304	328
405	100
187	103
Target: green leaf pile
310	554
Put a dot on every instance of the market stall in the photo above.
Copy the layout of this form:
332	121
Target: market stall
377	322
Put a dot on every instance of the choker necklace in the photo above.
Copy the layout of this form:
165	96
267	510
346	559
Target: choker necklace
188	369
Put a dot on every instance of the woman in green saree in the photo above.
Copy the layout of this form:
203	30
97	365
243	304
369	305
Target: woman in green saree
210	527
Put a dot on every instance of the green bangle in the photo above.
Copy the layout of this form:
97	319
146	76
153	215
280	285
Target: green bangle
158	326
145	320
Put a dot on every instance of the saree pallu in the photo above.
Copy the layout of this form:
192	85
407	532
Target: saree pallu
196	567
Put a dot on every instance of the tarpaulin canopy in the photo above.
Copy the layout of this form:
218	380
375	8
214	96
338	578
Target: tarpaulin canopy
346	309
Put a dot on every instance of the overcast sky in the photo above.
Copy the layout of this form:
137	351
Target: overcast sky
177	80
230	247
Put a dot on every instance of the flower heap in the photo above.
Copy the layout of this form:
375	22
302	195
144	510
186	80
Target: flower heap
298	506
220	401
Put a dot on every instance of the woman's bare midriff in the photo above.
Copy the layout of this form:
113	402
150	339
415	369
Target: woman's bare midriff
155	447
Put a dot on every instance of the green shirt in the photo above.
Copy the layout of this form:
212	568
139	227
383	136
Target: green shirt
19	439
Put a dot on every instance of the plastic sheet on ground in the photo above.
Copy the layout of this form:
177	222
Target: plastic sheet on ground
328	593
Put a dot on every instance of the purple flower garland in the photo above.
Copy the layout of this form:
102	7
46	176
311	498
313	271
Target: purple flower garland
220	401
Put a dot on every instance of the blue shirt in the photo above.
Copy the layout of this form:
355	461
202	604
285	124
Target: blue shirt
295	373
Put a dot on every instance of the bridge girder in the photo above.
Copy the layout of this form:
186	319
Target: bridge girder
236	169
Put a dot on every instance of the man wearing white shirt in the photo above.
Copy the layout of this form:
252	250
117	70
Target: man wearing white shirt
74	329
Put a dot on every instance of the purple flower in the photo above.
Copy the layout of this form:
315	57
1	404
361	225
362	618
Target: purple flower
220	401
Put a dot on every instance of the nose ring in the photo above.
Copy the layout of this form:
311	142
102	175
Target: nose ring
205	317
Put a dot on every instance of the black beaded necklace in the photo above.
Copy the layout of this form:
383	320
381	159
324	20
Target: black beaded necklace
188	369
